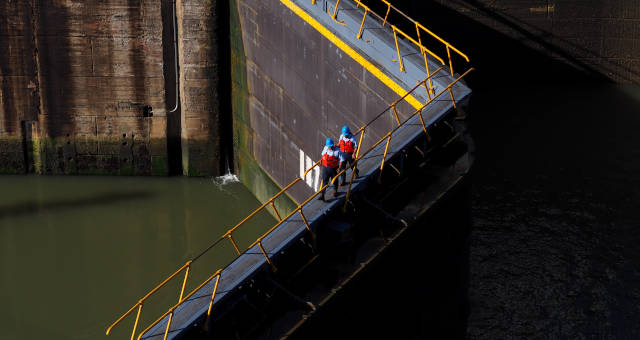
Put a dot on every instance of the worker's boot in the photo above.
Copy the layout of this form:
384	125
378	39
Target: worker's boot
341	183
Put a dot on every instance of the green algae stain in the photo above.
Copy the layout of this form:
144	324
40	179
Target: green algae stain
249	171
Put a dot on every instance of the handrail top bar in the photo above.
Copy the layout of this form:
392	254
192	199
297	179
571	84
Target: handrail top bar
425	29
396	29
151	292
217	273
359	2
306	172
443	41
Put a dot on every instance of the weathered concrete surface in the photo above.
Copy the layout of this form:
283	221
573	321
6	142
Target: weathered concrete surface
201	48
83	87
250	172
78	76
594	35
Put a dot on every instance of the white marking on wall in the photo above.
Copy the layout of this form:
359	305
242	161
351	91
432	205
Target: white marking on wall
309	179
313	178
316	181
302	168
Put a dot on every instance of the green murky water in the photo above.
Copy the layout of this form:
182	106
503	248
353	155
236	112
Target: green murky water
77	252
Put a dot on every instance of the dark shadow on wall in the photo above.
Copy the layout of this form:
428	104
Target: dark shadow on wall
552	44
500	60
225	120
54	52
171	95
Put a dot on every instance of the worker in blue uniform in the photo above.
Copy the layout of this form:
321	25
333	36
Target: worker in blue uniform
330	162
348	147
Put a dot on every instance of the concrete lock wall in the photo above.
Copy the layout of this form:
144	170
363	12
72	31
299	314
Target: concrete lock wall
593	35
293	88
87	86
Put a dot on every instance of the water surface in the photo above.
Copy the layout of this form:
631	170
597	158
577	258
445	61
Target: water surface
77	252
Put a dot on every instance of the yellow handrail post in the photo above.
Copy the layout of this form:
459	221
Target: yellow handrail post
426	64
184	282
453	101
235	245
424	127
360	140
313	2
395	37
306	223
362	24
387	14
395	113
264	252
166	331
449	56
276	210
335	10
386	148
213	295
135	325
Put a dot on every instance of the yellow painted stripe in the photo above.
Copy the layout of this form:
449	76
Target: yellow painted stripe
352	53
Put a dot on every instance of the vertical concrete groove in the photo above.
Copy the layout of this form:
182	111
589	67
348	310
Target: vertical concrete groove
171	71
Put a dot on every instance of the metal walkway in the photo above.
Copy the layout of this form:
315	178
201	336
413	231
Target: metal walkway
415	111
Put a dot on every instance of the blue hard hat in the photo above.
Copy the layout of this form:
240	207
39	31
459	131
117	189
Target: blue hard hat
329	142
345	130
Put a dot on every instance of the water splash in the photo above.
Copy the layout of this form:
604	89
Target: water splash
226	179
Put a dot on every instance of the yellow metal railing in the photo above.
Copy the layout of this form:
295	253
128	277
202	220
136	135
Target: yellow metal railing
186	268
426	82
417	40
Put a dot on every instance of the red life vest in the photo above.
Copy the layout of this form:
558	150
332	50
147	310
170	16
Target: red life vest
346	146
330	161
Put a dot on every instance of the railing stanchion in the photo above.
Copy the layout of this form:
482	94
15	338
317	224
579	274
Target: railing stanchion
166	331
213	295
184	282
395	37
395	113
235	245
306	223
424	127
428	86
386	148
449	56
135	325
276	210
362	24
264	252
360	140
387	14
335	11
453	101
